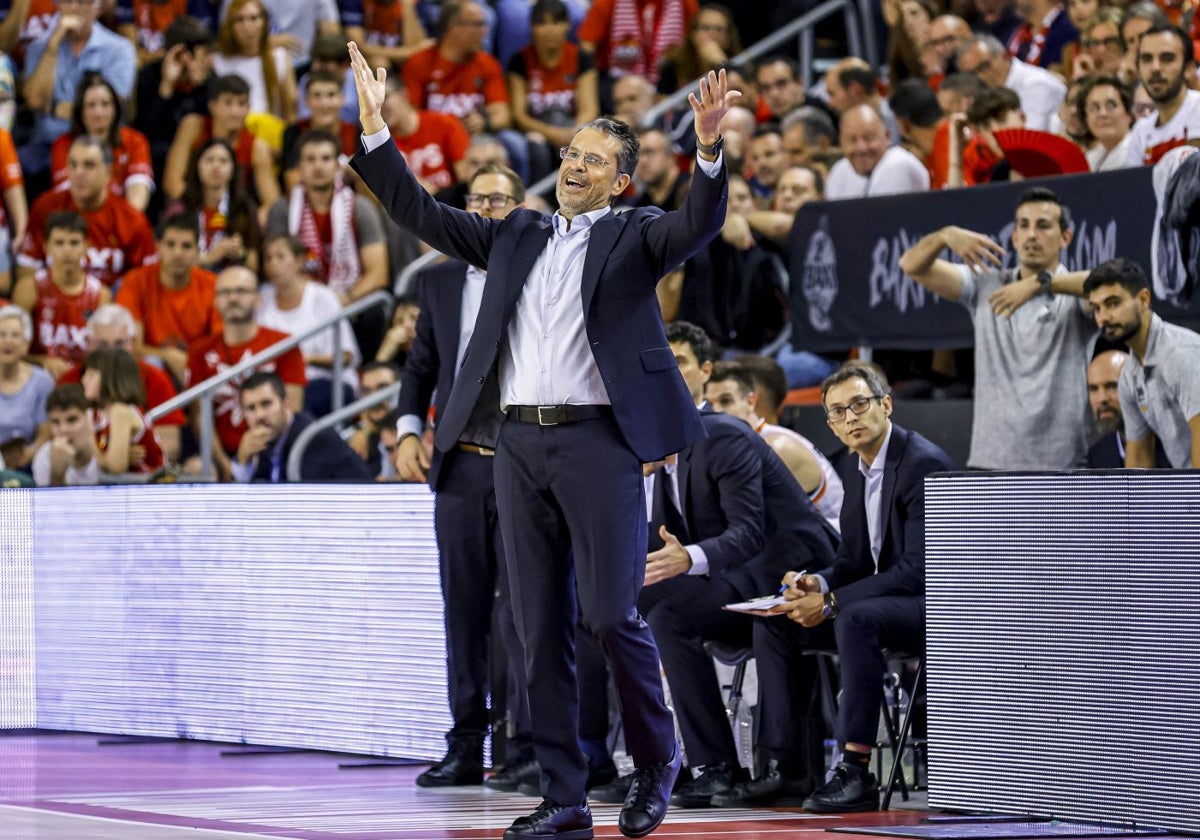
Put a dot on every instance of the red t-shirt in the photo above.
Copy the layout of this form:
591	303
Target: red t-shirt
383	23
347	133
243	148
119	237
157	383
60	320
431	151
147	438
130	164
550	91
212	356
152	17
440	85
10	169
171	317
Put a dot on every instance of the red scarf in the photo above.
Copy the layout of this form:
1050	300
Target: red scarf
1024	35
636	44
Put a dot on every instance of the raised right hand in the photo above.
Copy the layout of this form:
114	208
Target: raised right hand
372	88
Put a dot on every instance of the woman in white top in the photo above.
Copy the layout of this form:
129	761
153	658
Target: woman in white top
293	302
1105	104
243	49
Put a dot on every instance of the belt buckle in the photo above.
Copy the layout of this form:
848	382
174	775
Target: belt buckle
541	420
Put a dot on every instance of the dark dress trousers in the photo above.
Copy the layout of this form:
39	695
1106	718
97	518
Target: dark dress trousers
742	506
884	608
328	458
570	497
470	549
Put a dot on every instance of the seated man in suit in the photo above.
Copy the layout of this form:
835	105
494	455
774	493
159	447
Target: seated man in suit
726	520
872	596
272	429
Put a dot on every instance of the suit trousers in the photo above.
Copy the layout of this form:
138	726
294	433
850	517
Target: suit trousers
472	568
572	510
684	612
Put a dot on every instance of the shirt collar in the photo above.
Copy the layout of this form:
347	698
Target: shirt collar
580	223
880	457
1152	339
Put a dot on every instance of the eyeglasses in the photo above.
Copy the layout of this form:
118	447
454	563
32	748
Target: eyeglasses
1109	106
859	406
1143	109
572	155
494	200
1110	41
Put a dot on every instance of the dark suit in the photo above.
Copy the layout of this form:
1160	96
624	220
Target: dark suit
1108	453
743	508
470	549
327	458
570	496
878	608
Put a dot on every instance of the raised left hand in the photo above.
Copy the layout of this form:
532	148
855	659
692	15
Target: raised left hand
1012	296
669	561
714	101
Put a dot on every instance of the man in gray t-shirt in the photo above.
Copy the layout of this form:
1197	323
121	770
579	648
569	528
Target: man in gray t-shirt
1160	384
1031	338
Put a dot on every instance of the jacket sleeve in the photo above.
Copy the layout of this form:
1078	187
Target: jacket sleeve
419	377
733	472
674	237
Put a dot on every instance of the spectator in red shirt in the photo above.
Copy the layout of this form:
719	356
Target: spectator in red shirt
67	295
12	188
240	338
389	32
119	237
145	22
633	36
97	112
433	144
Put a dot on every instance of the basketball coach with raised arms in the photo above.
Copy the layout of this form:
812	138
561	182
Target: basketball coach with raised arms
569	377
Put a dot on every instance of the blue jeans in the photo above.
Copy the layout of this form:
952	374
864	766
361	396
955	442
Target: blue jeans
803	369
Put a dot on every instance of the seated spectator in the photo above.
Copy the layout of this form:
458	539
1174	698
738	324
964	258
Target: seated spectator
797	186
54	66
657	176
1165	63
125	440
111	327
852	82
25	21
330	55
871	165
174	86
946	34
997	18
1079	13
400	334
731	390
228	107
23	390
433	144
975	155
1107	452
1143	105
325	99
765	161
227	217
244	49
240	338
145	24
292	302
919	116
457	77
341	230
1160	383
1105	104
296	26
388	32
389	442
712	40
1069	122
482	150
1102	49
13	207
512	29
632	37
97	113
1044	33
66	295
1040	91
737	127
807	133
779	83
632	97
68	458
271	431
1138	18
552	86
173	299
119	237
365	435
770	384
908	23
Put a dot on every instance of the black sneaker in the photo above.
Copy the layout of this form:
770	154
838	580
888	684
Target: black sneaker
551	820
463	765
770	790
512	775
713	779
614	792
851	789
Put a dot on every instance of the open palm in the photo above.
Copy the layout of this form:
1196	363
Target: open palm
372	88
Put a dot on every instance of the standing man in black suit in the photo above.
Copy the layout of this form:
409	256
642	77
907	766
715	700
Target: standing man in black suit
569	377
271	432
871	597
470	550
727	520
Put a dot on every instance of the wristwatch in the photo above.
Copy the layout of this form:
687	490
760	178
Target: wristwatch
1045	278
714	149
830	610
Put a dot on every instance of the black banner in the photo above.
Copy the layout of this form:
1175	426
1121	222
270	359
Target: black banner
847	288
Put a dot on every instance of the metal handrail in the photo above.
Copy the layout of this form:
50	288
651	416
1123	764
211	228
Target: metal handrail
332	419
204	390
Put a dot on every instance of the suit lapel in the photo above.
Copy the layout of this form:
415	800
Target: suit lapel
683	472
600	246
888	493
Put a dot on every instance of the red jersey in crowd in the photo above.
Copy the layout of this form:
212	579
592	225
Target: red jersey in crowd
440	85
632	36
10	169
212	356
243	147
550	91
383	23
60	319
147	438
157	384
130	163
431	151
152	17
171	317
119	237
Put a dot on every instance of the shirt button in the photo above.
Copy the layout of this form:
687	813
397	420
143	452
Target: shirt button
481	380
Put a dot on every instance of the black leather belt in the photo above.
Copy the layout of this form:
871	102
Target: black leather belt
556	415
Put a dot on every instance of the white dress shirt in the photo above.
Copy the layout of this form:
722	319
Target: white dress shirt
1040	92
874	494
695	552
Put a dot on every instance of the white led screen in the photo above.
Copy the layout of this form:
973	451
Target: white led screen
1064	645
300	616
17	700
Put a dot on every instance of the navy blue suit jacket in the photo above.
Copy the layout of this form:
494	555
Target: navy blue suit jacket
746	511
627	254
852	576
328	458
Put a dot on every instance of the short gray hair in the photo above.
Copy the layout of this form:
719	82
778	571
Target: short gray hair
112	315
14	311
815	122
627	157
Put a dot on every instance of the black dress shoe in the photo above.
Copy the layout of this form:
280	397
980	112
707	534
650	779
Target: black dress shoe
461	766
772	789
849	790
512	775
614	792
552	821
712	780
646	804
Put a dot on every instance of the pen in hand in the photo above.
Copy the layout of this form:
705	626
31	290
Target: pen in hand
787	583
